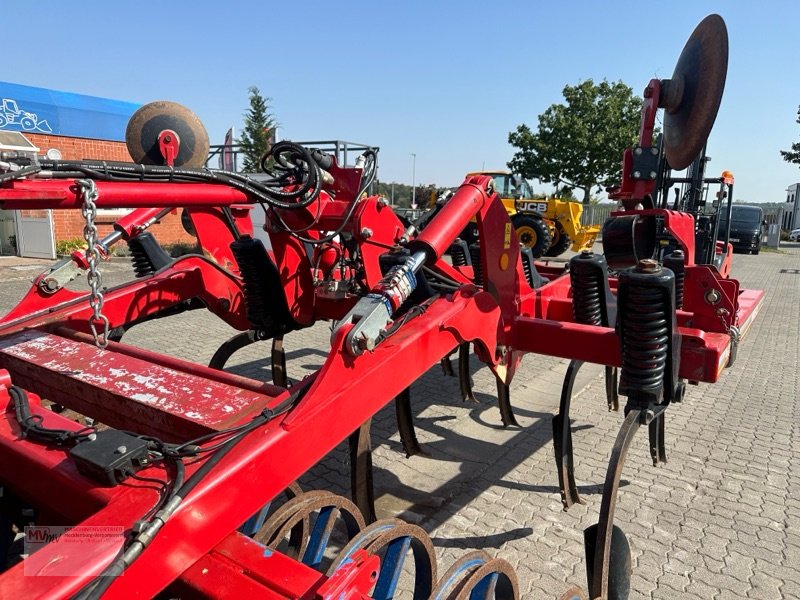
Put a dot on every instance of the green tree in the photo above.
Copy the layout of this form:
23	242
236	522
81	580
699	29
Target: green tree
579	143
258	133
793	155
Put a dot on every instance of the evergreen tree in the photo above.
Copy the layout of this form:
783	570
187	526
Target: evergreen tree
258	133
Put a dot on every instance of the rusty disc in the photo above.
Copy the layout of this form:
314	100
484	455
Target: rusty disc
693	94
573	593
150	120
288	519
478	573
383	538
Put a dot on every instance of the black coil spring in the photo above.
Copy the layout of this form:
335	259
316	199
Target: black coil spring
527	265
587	287
644	345
475	254
249	255
139	259
459	253
676	265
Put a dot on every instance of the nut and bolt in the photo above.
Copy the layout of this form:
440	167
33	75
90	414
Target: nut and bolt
648	265
713	296
121	450
366	233
637	174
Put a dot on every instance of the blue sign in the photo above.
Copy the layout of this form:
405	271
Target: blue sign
38	110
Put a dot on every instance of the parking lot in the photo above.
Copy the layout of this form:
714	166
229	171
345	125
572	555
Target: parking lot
720	520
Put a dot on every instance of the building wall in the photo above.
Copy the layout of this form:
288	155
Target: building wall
68	224
791	219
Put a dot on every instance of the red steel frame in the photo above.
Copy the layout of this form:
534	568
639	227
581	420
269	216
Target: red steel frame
44	347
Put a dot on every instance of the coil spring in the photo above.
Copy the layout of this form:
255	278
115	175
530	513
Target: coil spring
527	265
459	253
674	262
475	254
588	286
250	255
644	348
142	266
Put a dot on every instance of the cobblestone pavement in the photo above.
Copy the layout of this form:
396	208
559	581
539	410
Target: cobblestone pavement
721	520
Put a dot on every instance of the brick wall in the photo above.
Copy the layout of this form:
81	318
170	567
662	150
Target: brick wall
68	224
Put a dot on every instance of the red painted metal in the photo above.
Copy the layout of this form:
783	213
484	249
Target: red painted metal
632	191
169	144
44	347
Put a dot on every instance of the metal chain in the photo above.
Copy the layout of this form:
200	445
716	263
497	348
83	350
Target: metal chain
93	276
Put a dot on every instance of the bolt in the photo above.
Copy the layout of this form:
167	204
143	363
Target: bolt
654	151
586	253
637	174
653	174
366	233
121	450
365	343
677	253
713	296
49	284
648	265
168	138
637	151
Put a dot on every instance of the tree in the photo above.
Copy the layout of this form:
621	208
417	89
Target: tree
258	133
579	143
793	155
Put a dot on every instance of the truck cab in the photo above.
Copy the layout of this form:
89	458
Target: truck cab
747	227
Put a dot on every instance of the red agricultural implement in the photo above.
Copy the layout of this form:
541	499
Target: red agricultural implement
184	459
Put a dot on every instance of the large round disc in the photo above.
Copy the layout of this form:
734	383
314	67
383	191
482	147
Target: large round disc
700	79
150	120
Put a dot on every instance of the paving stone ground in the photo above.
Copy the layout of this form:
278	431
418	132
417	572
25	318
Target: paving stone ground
721	520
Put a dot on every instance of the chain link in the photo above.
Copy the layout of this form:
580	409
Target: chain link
93	276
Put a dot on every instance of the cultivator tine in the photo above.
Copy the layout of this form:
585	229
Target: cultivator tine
658	451
608	560
361	485
612	387
228	348
447	365
405	424
278	362
504	400
464	379
562	441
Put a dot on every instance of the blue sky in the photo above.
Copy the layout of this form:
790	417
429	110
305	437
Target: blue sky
444	80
